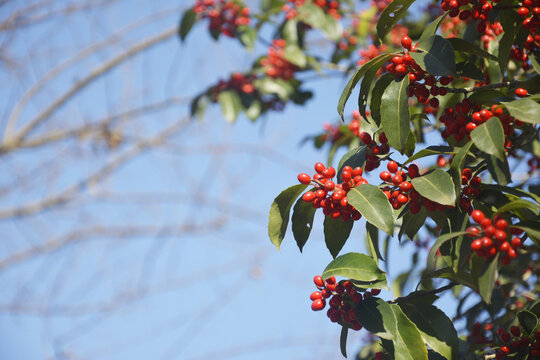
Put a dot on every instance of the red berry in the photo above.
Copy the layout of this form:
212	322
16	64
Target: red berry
319	282
319	167
520	92
477	216
413	171
516	242
515	331
397	179
501	224
385	176
406	42
405	186
318	304
476	245
309	196
392	166
523	11
441	161
316	295
304	178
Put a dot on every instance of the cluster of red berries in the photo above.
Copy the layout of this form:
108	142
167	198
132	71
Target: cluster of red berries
401	191
348	41
225	16
344	297
374	149
328	195
331	7
514	341
470	189
492	238
237	82
465	117
275	64
530	11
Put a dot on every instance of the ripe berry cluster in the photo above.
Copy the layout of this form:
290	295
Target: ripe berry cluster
492	238
328	195
275	64
530	12
331	7
465	117
344	297
469	190
515	341
237	82
225	16
374	149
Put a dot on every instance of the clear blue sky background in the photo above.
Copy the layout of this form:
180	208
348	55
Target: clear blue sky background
225	293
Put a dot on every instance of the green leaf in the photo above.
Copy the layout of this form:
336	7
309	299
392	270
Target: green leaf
353	158
279	87
295	56
518	204
489	138
436	328
343	340
254	110
469	70
336	233
372	241
525	110
279	213
412	223
188	19
354	266
535	63
511	23
528	321
431	29
376	97
410	144
531	228
302	221
466	47
365	86
351	84
430	150
389	322
484	96
290	31
499	170
437	56
395	116
456	167
487	277
393	12
247	36
432	256
230	104
436	186
371	202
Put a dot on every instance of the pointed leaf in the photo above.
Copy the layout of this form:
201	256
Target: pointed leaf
389	322
295	56
395	116
230	105
302	221
351	84
436	328
432	256
365	86
437	56
372	241
456	168
464	46
354	266
343	340
431	29
430	150
489	137
279	213
188	19
487	277
518	204
393	12
247	36
525	110
528	321
371	202
499	170
336	233
376	97
436	186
